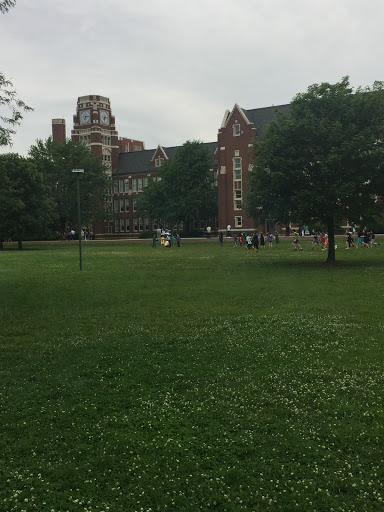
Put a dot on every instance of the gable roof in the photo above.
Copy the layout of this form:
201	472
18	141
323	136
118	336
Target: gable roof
261	117
139	162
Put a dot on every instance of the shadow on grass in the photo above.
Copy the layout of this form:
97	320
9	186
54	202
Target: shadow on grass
330	265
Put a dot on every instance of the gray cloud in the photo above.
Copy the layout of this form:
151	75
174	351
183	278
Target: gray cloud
172	68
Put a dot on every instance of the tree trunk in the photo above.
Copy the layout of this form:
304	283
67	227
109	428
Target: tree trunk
187	225
331	241
20	245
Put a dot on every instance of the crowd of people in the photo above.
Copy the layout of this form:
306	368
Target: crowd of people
320	239
259	241
167	239
253	241
365	238
85	235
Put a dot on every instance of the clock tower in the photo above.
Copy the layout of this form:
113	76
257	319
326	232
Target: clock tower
94	125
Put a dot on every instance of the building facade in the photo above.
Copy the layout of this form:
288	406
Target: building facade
235	155
130	179
94	125
129	165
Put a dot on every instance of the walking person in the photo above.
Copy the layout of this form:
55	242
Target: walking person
229	231
235	240
296	242
360	235
221	238
366	239
349	240
277	240
262	241
249	243
255	241
270	240
178	239
315	240
154	241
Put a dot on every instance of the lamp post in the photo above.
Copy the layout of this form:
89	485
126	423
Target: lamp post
78	172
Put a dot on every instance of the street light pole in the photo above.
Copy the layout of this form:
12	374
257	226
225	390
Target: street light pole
78	172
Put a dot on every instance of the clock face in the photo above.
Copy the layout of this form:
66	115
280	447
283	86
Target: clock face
104	117
85	116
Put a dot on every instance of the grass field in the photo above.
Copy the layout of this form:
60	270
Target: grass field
199	378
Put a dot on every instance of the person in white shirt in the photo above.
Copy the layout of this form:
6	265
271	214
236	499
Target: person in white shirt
229	230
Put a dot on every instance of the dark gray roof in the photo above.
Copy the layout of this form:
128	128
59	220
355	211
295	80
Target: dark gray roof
261	117
139	162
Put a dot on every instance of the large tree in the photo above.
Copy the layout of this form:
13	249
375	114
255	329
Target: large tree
56	162
26	207
186	190
324	162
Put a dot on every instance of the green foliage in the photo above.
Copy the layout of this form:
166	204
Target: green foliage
56	162
15	106
147	234
325	161
185	191
25	204
5	5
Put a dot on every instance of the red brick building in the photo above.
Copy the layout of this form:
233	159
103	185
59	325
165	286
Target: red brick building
94	125
129	164
129	181
234	159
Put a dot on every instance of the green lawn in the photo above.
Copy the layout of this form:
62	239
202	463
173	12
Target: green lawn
199	378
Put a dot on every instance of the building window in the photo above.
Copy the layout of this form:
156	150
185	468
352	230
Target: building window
121	186
236	130
134	223
134	184
159	162
237	163
127	205
146	223
141	224
238	222
117	225
121	205
115	187
122	224
139	184
237	197
215	177
115	205
127	224
134	205
145	182
126	185
127	148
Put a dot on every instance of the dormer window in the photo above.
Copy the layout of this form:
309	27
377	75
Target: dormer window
159	162
236	130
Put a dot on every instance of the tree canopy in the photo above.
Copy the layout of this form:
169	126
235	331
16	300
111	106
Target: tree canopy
185	190
26	207
56	162
324	162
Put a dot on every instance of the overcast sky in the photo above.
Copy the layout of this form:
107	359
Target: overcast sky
172	67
